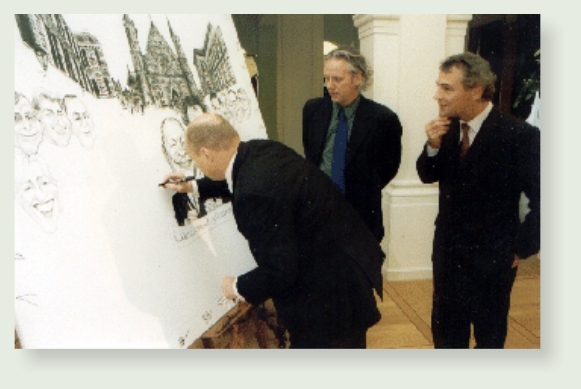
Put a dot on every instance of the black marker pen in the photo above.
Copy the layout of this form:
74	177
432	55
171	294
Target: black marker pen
185	179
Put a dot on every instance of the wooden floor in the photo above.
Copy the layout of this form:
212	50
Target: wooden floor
406	310
407	305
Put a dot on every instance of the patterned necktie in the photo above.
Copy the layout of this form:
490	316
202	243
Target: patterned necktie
465	142
339	151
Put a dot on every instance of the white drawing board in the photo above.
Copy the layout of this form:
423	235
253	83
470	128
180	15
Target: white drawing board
101	103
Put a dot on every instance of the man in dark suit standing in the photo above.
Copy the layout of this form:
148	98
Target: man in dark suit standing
483	161
315	257
354	140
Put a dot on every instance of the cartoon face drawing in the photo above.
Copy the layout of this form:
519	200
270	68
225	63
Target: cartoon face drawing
216	103
50	112
81	122
173	145
243	105
193	111
231	97
27	129
37	192
194	107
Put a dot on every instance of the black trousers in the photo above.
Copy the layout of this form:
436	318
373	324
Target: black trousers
464	296
353	339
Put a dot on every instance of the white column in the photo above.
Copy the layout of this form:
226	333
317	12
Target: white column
405	52
380	44
456	33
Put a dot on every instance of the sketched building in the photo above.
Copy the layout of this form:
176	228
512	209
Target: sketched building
96	67
160	76
53	42
213	63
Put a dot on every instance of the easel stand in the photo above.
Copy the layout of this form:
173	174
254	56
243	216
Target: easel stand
233	322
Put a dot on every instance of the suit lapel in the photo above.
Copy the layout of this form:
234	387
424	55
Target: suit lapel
450	142
321	120
360	130
485	136
240	157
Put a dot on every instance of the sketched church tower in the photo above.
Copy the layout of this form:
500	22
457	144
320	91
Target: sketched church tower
213	63
79	56
160	76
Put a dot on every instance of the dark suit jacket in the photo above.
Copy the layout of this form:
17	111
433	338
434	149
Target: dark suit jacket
479	197
316	258
373	153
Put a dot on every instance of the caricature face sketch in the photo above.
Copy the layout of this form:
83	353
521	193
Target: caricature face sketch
27	129
194	111
80	119
55	123
173	145
216	103
231	97
243	105
37	192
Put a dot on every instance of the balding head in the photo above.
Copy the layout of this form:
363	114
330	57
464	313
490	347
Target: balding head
211	131
211	142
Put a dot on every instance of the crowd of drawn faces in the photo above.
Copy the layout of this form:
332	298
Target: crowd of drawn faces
52	119
174	150
233	105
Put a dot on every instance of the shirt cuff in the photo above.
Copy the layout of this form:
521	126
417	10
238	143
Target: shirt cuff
195	192
432	152
234	287
193	195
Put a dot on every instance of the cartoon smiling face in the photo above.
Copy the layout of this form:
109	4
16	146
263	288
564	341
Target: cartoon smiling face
173	145
27	129
81	122
51	114
37	192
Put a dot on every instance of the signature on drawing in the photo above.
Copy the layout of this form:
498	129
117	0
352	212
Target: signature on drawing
182	339
207	316
26	298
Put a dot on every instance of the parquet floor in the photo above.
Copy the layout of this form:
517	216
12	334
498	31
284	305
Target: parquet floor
406	310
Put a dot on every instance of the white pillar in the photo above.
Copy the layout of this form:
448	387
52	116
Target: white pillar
379	43
456	33
405	52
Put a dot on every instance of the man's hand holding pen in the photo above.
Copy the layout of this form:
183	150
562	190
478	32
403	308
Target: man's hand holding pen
178	182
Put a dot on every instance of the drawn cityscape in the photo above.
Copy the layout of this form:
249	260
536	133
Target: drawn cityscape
161	75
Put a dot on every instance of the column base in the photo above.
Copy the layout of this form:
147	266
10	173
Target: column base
410	209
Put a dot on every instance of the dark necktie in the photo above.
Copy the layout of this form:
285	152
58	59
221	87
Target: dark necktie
339	151
465	142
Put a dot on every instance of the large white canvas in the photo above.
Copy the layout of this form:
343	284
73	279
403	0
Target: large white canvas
102	263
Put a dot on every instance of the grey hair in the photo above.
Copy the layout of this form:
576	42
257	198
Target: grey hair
475	72
42	96
357	63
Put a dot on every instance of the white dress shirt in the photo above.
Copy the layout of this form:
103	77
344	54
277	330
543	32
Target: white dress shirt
474	125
